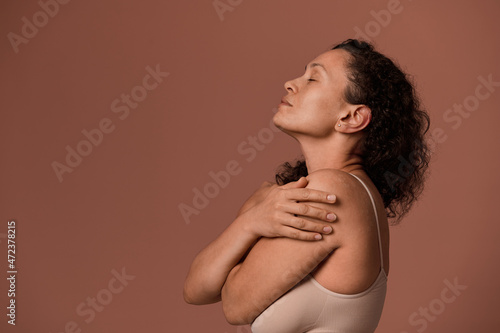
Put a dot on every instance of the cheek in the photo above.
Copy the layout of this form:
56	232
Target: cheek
319	104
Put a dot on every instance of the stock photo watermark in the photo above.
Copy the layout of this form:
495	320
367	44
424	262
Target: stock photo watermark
11	272
381	19
453	116
223	6
89	308
421	318
219	180
95	136
30	27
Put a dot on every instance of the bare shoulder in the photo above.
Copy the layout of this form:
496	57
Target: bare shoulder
351	194
332	179
351	206
356	262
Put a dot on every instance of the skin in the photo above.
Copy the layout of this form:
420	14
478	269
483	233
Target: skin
347	262
269	212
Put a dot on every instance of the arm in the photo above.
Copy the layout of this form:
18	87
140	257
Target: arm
212	265
275	265
257	197
270	215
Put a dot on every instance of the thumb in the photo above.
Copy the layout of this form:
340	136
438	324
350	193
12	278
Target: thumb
302	182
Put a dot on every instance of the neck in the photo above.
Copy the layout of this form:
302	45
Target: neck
341	153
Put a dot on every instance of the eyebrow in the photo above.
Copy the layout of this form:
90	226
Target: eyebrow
315	64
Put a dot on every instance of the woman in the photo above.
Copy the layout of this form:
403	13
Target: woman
361	130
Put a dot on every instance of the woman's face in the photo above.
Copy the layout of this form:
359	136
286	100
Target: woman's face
316	97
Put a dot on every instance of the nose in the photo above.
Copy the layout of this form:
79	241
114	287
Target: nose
290	86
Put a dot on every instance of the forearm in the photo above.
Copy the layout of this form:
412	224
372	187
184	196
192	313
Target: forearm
273	266
210	268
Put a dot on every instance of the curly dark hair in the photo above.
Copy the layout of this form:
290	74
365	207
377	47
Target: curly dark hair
395	154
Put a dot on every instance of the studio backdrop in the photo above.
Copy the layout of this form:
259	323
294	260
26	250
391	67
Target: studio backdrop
131	133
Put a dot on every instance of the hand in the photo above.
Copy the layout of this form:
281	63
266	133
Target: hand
277	212
257	196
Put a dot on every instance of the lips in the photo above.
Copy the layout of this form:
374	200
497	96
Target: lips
284	101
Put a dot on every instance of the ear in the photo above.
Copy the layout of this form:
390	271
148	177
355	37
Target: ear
354	120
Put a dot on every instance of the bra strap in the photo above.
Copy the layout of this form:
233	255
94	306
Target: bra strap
376	218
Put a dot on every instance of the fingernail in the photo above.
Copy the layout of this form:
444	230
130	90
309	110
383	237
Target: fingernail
327	229
331	217
331	197
318	237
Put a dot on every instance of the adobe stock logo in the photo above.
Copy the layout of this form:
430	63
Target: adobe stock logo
249	148
427	314
381	19
30	29
455	116
95	136
221	7
90	308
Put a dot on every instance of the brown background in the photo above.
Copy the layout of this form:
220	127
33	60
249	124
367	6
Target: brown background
120	207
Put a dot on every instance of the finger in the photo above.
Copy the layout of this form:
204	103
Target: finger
302	182
309	211
309	226
306	194
300	235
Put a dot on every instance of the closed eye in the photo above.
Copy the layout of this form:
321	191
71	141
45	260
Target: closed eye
311	80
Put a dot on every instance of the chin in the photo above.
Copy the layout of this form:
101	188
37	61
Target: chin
283	123
286	130
279	122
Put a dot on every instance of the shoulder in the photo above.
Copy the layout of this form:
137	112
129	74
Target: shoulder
330	176
355	264
340	182
353	206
